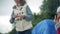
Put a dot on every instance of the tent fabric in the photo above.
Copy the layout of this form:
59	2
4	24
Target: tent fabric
46	26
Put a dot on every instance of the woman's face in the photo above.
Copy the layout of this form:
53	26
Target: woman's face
18	1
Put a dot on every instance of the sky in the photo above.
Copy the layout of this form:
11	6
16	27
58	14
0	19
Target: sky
5	25
6	10
6	6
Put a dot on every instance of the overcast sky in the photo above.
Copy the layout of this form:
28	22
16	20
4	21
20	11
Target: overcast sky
6	10
6	6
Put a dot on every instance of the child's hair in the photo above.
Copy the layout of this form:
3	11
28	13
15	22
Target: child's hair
55	17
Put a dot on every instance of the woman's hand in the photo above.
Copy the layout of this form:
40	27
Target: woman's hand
21	16
15	16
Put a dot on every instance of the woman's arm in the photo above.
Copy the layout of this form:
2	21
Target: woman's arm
29	15
12	19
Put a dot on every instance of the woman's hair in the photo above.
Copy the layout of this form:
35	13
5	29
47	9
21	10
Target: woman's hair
22	3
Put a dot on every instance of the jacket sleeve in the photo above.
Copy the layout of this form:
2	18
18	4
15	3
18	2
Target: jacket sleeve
29	15
12	19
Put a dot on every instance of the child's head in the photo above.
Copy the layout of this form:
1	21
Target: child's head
58	12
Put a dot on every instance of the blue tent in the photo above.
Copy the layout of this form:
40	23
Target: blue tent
46	26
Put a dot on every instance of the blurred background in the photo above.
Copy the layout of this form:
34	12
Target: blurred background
41	9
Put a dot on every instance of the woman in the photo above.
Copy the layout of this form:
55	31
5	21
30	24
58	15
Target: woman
21	17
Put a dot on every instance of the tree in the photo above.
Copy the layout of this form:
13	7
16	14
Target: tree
36	19
48	10
13	31
49	7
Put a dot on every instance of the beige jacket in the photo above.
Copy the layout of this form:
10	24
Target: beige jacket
24	24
